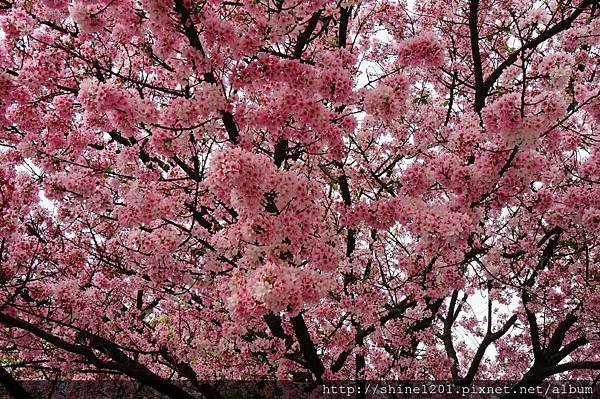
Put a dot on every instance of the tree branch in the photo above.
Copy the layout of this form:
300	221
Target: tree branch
304	37
194	40
480	92
122	363
547	34
345	13
561	368
447	337
487	341
307	347
14	388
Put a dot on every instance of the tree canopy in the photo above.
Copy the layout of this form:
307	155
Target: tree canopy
299	190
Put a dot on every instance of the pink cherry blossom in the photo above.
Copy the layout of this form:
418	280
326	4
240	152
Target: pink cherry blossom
298	190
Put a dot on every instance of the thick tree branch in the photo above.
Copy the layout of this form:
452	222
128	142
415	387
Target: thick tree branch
447	337
307	347
274	323
534	331
485	343
345	13
480	91
570	347
560	332
121	363
583	365
14	388
304	37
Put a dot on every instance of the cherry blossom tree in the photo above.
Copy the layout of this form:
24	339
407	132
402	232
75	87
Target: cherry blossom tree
299	190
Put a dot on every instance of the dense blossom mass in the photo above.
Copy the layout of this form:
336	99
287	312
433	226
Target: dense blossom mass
300	190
